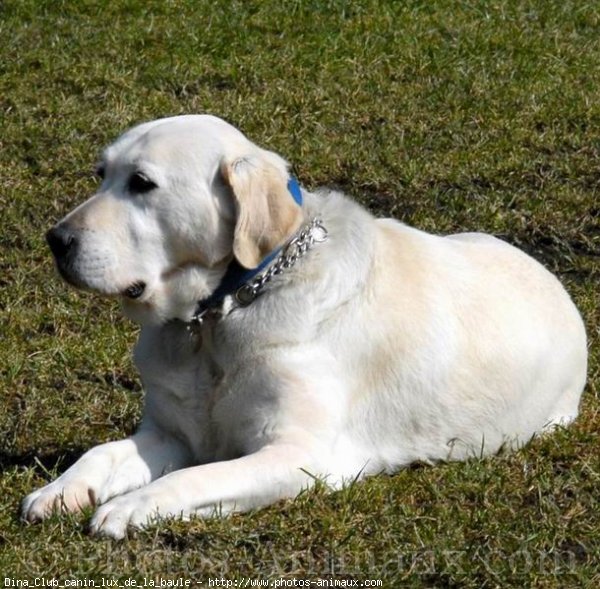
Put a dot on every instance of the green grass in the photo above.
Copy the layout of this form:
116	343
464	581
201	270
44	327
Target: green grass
480	115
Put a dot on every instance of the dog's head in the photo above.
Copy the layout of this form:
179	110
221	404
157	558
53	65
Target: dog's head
179	199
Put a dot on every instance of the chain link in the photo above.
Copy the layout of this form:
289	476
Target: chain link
312	233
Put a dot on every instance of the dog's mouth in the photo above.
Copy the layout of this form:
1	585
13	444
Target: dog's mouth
135	290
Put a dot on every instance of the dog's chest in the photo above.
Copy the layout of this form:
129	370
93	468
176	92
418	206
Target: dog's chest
203	392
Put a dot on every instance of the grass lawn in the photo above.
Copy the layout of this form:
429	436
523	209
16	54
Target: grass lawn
473	115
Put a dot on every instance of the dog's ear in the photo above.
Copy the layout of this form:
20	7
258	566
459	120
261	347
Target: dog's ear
266	213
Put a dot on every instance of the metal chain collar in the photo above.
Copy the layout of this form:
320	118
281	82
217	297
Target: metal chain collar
313	232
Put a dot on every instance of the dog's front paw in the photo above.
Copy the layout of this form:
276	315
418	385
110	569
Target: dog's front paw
134	510
81	486
114	517
138	509
57	497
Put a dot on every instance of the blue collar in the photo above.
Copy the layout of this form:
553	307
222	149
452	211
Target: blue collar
236	275
294	190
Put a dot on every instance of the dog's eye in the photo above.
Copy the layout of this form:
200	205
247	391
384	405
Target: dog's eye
139	184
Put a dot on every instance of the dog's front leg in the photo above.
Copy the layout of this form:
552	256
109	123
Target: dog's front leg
106	471
274	472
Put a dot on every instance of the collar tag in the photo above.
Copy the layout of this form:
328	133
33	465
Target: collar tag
245	295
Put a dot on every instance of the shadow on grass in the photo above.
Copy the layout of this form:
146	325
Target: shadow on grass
44	463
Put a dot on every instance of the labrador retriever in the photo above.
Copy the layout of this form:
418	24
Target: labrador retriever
289	335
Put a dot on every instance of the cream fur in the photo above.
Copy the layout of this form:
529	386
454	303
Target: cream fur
383	346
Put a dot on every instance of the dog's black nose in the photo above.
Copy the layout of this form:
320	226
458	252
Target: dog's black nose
61	240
